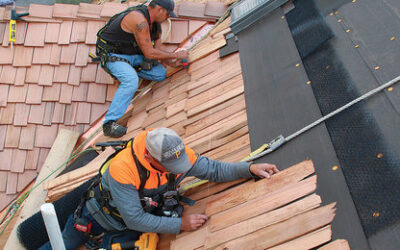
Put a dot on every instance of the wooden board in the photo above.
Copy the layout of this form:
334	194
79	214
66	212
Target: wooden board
293	227
280	180
262	204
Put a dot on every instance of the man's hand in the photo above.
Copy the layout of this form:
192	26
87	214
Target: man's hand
263	170
181	54
192	222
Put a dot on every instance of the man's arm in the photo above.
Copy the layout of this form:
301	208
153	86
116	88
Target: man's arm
135	23
170	62
213	170
126	199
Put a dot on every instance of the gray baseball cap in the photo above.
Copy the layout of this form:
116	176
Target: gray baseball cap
167	147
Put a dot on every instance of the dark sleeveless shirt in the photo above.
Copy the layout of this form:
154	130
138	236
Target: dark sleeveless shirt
124	42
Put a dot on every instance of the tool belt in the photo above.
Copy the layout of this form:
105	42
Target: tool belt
104	48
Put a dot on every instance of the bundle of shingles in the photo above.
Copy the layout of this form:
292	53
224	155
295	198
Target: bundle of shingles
278	213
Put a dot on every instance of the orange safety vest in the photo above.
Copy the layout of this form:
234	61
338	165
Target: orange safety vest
123	168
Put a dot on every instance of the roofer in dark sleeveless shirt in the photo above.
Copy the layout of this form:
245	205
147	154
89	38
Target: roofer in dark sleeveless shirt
134	36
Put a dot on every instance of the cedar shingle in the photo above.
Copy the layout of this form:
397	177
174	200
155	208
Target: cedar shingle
83	113
45	136
32	158
78	32
3	181
68	53
74	75
37	112
6	55
5	36
194	25
3	132
179	31
103	77
52	33
82	55
66	93
58	114
65	32
12	137
55	54
42	158
32	74
92	29
110	9
7	114
18	162
89	73
65	10
34	95
22	56
21	34
37	10
48	113
80	92
70	114
46	75
35	34
2	12
12	183
24	179
215	9
61	73
27	137
3	94
52	93
191	9
87	10
111	89
97	93
8	74
20	76
21	114
97	111
17	93
2	29
6	157
41	55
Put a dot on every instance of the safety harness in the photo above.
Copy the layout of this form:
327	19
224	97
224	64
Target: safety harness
104	47
164	204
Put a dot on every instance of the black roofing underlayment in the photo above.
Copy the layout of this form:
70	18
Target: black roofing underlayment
279	101
365	137
357	138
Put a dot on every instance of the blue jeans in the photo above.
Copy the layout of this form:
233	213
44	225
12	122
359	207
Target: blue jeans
73	238
129	80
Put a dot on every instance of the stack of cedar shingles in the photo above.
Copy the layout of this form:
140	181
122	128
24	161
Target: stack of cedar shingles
278	213
47	81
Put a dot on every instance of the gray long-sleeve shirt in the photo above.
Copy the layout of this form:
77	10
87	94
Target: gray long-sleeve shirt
125	198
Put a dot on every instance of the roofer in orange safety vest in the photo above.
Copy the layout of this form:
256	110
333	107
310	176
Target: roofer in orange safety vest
129	47
137	190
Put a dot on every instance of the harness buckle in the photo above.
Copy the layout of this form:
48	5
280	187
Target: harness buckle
106	210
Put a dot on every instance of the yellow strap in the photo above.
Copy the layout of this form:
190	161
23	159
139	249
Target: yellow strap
13	31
